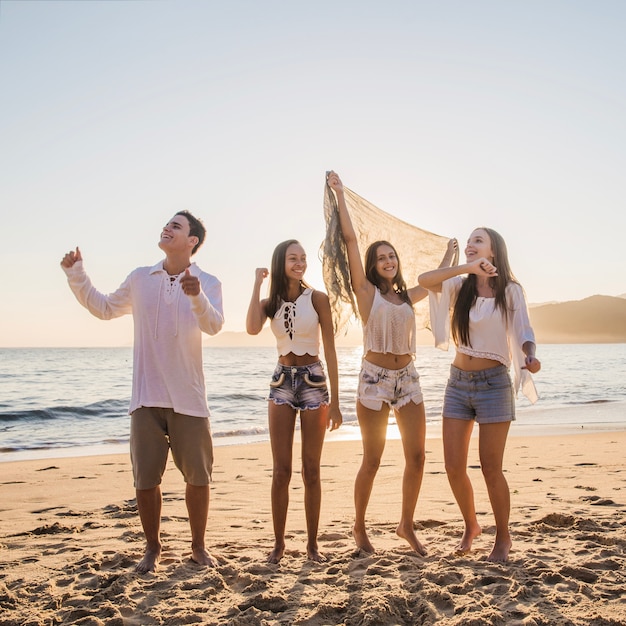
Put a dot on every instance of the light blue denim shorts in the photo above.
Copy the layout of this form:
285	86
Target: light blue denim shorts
301	387
394	387
485	396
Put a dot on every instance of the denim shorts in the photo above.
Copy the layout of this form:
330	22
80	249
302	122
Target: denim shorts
395	387
302	387
486	395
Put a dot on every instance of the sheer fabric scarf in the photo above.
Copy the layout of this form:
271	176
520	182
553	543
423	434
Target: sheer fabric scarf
419	251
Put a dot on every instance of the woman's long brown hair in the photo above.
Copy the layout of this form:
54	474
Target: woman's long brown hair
279	284
468	293
371	258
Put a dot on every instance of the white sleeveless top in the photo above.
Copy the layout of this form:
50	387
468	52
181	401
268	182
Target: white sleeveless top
296	326
390	327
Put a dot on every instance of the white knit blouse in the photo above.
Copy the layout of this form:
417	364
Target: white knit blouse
390	327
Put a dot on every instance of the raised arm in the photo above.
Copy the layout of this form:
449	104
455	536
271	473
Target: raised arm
418	292
363	289
432	280
73	256
257	309
104	307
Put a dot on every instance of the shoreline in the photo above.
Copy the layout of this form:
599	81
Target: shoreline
434	432
70	536
532	420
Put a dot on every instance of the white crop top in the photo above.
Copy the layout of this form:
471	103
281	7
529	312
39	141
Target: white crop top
492	335
390	327
296	326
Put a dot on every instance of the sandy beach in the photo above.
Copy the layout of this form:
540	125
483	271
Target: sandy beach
70	537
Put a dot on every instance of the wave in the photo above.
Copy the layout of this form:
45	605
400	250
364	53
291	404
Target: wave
241	432
236	397
63	445
104	409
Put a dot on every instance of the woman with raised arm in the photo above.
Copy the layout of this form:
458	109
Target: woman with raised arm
297	315
487	314
388	378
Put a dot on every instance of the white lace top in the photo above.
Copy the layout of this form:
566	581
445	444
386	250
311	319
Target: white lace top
390	327
492	335
296	326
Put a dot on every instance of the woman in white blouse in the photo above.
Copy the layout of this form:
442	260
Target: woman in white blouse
483	307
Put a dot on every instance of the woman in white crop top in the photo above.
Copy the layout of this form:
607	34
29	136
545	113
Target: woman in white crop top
298	315
388	378
487	314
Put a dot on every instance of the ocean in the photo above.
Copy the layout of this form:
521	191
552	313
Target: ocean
73	401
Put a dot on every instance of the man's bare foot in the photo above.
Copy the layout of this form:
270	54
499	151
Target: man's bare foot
362	541
313	555
501	549
149	562
202	557
276	554
465	546
407	532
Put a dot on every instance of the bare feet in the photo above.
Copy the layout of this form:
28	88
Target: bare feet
276	554
407	532
313	555
202	557
362	541
500	552
150	561
471	532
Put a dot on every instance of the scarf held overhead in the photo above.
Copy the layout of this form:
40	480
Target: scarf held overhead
419	251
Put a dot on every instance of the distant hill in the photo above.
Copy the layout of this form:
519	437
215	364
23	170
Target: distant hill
597	319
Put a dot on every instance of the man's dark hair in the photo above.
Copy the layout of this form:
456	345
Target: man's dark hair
196	229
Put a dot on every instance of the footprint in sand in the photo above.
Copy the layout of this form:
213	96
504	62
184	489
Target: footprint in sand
557	520
54	529
598	501
46	510
579	573
266	602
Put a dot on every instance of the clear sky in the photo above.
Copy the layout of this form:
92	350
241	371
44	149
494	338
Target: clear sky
448	114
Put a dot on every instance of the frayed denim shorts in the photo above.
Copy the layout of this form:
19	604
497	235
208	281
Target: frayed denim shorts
301	387
395	387
485	396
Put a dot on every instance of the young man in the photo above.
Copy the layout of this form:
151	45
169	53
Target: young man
172	304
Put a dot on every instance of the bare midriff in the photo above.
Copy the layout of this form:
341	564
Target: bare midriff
469	363
387	360
297	360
